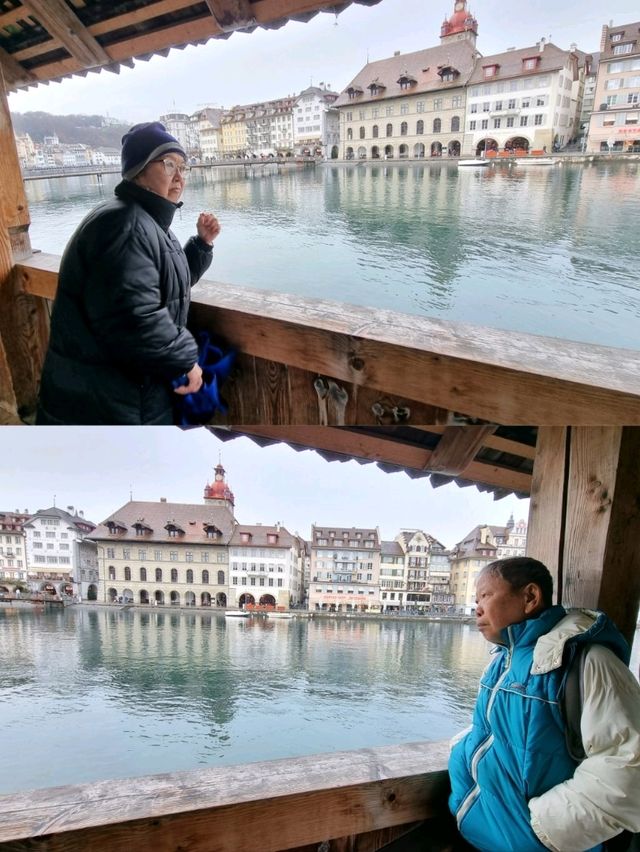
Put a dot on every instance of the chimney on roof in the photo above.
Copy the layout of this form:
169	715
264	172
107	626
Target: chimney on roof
396	53
541	44
81	513
603	37
70	510
163	499
573	46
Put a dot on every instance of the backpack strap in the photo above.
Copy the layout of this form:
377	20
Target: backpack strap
571	703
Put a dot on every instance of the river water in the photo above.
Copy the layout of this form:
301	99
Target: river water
552	251
91	693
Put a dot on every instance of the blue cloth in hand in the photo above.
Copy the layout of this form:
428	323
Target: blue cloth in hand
196	409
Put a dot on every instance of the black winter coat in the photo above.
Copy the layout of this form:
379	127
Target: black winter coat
118	326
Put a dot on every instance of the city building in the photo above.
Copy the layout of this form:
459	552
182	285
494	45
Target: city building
427	571
168	553
615	121
525	99
345	569
61	558
484	544
13	551
266	567
316	124
233	133
392	576
180	125
412	105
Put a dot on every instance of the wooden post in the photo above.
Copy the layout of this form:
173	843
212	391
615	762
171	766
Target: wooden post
23	318
586	509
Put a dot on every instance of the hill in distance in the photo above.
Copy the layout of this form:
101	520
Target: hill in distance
94	130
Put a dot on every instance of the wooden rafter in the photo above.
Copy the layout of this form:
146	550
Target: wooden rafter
58	19
384	449
12	16
231	15
12	72
138	16
457	448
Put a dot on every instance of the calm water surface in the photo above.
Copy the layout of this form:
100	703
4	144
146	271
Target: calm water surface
93	693
552	251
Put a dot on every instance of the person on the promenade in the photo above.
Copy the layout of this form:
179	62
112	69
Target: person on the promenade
515	787
118	327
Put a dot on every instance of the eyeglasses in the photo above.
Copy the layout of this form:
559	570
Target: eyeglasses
171	167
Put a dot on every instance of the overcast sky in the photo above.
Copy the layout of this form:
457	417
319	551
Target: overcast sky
273	63
95	469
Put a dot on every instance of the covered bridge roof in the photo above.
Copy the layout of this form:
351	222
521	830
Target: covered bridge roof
496	459
43	40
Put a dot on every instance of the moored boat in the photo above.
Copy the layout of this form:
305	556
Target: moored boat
276	614
476	162
536	161
236	613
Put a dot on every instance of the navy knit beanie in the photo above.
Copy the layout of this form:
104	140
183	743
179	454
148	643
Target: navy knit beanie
144	143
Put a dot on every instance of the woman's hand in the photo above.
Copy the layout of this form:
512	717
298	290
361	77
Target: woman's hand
207	227
194	377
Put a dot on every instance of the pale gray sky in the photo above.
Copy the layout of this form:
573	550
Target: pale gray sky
95	468
272	63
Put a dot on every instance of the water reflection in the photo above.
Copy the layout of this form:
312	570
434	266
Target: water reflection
550	251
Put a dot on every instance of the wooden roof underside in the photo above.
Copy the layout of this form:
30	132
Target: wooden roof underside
44	40
496	459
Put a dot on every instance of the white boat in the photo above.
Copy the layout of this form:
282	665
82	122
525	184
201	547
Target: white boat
274	614
236	613
477	162
536	161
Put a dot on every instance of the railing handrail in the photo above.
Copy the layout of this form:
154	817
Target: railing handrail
256	807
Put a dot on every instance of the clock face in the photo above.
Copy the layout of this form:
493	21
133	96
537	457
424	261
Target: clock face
459	7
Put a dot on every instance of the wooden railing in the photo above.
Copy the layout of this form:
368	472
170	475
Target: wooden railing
315	361
356	800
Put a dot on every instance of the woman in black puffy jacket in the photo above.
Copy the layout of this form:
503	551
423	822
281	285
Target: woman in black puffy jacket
118	327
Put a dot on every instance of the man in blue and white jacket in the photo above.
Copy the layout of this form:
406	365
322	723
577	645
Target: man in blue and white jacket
515	787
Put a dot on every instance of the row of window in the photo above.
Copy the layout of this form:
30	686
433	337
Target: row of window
252	581
421	106
173	555
512	103
52	560
344	591
254	566
404	130
615	100
624	65
38	534
173	575
523	121
623	83
16	539
50	546
538	82
620	118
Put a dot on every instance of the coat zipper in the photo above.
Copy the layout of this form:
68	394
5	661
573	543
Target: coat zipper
484	747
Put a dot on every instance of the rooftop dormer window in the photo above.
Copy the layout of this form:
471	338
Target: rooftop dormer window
354	92
115	527
490	70
173	529
530	63
141	528
272	538
405	81
212	531
376	88
448	74
245	537
616	36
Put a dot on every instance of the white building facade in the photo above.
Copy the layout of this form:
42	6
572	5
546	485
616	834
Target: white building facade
345	569
266	567
13	550
316	123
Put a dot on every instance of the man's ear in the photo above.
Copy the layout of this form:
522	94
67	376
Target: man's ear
532	598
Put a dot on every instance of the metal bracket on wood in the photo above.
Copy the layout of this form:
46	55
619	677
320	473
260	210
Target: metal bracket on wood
332	402
385	414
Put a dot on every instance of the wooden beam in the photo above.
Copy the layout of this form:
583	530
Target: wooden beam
11	72
138	16
447	365
231	15
545	530
385	450
457	448
602	540
492	442
62	23
12	16
259	807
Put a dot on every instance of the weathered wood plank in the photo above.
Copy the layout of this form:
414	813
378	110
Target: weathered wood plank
457	448
260	807
23	318
11	72
602	540
546	508
446	365
620	587
138	16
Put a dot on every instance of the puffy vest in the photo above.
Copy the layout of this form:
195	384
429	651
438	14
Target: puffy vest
516	748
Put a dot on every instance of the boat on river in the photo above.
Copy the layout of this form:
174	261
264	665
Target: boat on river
475	162
536	161
236	613
276	614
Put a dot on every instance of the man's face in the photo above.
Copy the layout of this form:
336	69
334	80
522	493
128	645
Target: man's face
498	605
